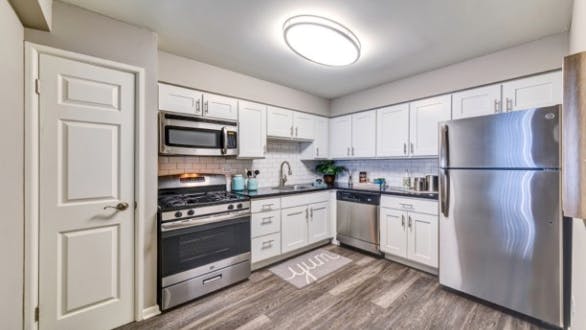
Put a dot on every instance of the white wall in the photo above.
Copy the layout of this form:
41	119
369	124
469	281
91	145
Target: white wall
190	73
578	44
538	56
11	168
85	32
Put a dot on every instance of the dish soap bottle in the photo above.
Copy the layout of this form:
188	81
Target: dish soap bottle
407	180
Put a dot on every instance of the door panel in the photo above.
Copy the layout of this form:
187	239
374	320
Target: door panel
501	239
424	117
533	92
521	139
393	236
392	131
319	228
476	102
252	123
280	123
423	239
221	107
364	134
340	136
294	228
86	164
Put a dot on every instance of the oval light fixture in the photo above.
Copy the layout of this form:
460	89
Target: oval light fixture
321	40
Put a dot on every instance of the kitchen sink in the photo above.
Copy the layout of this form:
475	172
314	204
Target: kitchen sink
295	187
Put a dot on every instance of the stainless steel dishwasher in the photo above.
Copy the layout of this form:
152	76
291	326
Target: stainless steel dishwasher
357	220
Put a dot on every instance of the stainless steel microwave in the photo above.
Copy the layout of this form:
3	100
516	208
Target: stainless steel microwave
183	134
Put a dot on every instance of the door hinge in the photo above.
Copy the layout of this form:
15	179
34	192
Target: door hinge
37	314
38	86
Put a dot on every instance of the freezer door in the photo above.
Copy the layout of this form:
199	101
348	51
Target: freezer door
501	239
520	139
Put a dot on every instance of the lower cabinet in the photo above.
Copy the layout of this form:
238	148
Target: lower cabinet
409	234
294	223
318	227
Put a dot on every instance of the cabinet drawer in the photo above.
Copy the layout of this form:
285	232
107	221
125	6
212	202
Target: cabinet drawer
304	199
409	204
265	223
265	247
264	205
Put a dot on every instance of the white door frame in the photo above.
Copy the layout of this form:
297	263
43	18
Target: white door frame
31	176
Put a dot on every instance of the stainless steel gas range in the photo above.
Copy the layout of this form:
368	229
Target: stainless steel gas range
203	237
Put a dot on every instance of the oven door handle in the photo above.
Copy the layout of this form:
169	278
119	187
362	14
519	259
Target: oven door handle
200	221
224	140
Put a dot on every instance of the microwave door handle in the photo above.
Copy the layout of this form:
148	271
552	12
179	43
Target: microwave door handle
224	140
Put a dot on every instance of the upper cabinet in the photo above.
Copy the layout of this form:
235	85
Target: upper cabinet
364	134
392	131
477	102
251	128
318	149
532	92
340	136
221	107
189	101
425	115
179	99
290	125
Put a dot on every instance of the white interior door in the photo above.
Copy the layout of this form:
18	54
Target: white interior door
252	134
86	166
476	102
218	106
392	131
364	134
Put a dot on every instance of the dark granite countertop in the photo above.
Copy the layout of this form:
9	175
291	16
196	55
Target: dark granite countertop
305	188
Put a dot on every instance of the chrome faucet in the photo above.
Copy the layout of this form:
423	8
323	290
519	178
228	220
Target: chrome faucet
283	175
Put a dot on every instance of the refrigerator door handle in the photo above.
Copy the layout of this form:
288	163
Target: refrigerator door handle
445	192
444	157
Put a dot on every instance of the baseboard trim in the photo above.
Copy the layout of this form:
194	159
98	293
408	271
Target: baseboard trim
412	264
151	311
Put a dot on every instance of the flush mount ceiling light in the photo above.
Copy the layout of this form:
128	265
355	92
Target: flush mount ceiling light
321	40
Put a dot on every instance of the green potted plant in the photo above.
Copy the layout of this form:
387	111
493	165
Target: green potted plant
329	169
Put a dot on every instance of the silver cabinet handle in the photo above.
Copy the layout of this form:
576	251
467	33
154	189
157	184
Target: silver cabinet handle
197	106
410	223
509	104
306	214
267	206
317	151
266	221
119	207
406	206
267	244
348	151
296	131
205	106
311	212
404	148
352	151
403	220
291	130
497	106
412	148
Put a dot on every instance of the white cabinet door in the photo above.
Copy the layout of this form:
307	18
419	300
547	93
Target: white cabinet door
392	131
424	118
340	136
537	91
476	102
364	134
423	239
179	99
393	238
321	141
279	122
318	228
221	107
294	228
304	126
252	139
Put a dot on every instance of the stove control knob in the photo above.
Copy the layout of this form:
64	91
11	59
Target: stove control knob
190	212
178	214
239	206
231	207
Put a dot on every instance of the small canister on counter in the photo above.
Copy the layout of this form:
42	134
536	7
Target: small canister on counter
419	184
237	182
432	183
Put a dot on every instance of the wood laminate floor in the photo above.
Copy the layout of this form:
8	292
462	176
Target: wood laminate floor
369	293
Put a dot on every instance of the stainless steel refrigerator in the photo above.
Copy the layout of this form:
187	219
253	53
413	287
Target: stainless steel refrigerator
500	214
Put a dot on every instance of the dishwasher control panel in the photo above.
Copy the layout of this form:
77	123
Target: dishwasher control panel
358	197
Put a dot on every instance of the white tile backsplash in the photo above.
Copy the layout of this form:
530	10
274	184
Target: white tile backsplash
393	170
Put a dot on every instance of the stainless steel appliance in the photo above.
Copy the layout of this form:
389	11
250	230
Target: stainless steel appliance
182	134
357	220
203	237
574	136
500	215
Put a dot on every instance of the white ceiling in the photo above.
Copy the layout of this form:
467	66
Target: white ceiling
399	37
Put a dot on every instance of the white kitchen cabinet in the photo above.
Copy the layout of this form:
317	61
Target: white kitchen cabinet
252	139
265	247
477	102
536	91
424	116
318	225
318	148
364	134
392	132
304	126
279	123
393	238
179	99
423	239
220	107
409	229
294	222
340	137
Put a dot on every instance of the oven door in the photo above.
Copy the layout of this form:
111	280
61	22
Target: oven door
187	135
190	248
